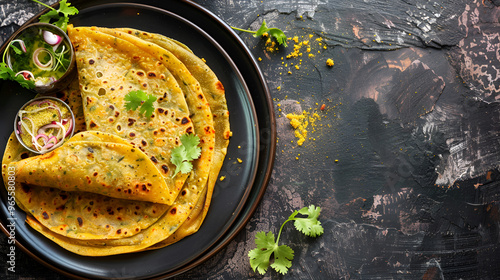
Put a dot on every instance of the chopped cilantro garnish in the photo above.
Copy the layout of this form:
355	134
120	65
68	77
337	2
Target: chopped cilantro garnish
277	33
139	98
61	21
260	257
183	155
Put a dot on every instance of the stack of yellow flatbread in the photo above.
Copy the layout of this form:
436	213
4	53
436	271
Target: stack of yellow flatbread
111	188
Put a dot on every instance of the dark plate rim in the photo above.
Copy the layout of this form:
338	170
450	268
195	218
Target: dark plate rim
238	225
266	177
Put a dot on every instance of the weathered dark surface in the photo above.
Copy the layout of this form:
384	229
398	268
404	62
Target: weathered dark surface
412	118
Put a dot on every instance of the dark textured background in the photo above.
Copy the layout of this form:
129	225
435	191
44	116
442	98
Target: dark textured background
412	118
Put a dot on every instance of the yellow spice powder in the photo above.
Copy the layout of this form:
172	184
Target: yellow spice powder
299	123
303	124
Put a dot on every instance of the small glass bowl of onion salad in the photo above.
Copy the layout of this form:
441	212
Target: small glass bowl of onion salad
42	52
43	124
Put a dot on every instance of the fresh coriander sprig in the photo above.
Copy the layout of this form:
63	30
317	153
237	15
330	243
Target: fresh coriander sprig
139	98
277	33
183	155
60	21
260	257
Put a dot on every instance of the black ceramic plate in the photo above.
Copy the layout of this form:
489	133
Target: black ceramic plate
234	199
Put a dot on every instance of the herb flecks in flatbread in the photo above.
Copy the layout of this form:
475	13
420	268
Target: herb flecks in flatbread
214	92
108	168
109	68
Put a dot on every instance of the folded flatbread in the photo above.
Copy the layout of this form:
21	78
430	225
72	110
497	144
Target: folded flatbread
190	99
103	167
215	95
109	68
80	214
195	184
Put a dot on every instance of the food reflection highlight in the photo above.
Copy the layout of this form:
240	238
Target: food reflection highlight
128	180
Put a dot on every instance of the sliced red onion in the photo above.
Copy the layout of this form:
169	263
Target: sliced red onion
51	143
31	133
19	131
26	74
46	101
63	129
54	48
42	129
69	128
37	102
38	110
51	106
59	113
37	61
52	140
46	147
31	121
43	136
51	38
21	43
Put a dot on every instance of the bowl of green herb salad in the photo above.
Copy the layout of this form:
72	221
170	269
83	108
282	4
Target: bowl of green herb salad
40	57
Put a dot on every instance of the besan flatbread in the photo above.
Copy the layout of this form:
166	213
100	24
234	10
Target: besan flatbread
109	68
215	94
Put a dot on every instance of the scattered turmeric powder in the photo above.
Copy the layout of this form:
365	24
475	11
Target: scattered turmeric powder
296	50
306	45
299	123
304	124
271	46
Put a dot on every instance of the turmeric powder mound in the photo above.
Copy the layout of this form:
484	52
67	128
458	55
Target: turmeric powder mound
299	123
303	125
294	120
